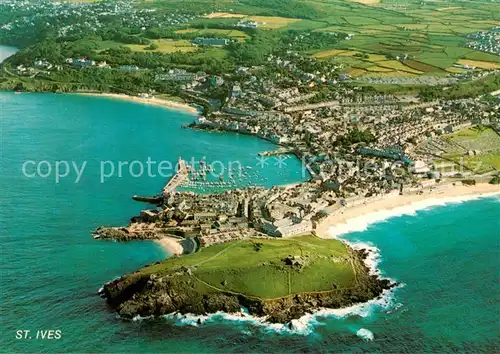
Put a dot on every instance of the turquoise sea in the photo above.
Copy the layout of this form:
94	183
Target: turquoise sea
447	257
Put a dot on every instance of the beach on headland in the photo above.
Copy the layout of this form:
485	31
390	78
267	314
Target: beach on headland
370	210
155	101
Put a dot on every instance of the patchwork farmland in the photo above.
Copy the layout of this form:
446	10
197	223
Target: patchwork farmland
388	38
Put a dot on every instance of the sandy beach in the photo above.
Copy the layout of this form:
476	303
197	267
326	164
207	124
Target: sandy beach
358	217
152	101
170	245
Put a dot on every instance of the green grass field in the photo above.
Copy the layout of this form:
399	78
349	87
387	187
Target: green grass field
233	34
238	267
483	163
476	138
165	46
481	139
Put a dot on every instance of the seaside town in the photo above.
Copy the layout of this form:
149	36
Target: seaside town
355	147
354	142
319	174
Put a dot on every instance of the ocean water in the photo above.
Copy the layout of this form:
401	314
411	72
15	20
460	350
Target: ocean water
446	257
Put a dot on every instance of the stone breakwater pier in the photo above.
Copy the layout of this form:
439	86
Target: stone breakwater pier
180	177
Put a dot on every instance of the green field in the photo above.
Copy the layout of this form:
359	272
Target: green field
432	34
233	34
238	267
164	46
483	140
483	163
477	138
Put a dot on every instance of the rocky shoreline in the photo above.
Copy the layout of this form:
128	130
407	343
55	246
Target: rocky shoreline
144	294
124	234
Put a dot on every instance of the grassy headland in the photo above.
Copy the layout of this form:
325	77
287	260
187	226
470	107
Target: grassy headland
279	278
241	267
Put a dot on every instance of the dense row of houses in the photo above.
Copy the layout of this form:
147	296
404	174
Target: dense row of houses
486	41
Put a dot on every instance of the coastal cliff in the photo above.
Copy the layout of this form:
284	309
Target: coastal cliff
183	285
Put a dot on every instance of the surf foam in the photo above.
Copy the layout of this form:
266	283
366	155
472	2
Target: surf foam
302	326
365	334
296	326
361	223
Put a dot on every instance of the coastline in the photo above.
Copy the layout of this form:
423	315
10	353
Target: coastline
154	101
160	289
305	325
358	217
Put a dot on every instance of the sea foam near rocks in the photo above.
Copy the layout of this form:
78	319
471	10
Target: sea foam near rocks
297	327
302	326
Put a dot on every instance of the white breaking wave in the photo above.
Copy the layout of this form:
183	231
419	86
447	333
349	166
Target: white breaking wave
365	334
297	326
302	326
141	318
372	260
361	223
